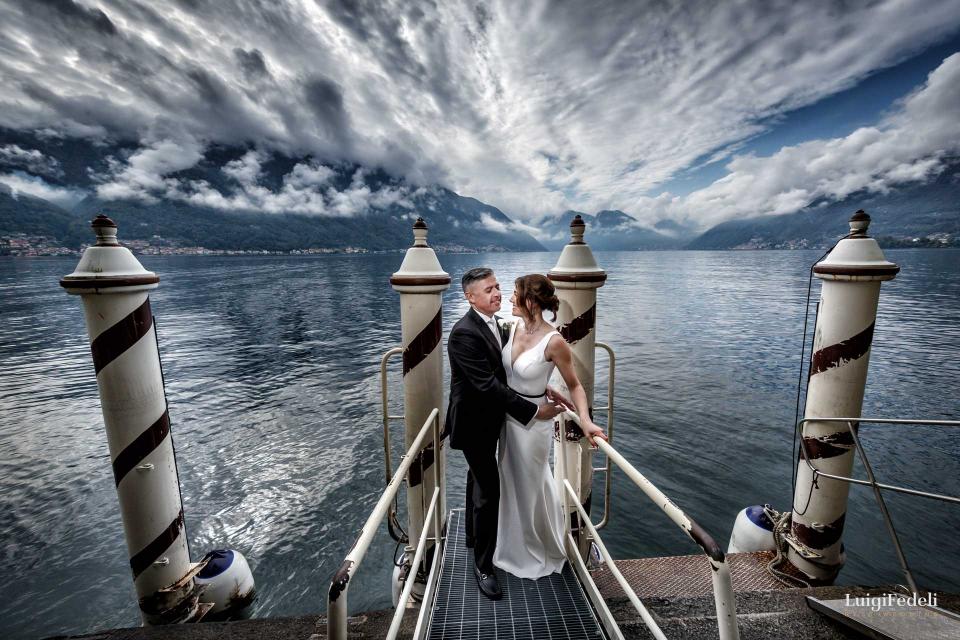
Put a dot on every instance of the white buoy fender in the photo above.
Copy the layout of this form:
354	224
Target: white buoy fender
752	531
227	581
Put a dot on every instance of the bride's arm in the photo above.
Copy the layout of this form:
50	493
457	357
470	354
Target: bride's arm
558	351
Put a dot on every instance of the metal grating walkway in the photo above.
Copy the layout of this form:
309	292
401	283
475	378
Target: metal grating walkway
553	607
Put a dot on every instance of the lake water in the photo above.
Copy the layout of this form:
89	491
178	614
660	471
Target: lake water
272	377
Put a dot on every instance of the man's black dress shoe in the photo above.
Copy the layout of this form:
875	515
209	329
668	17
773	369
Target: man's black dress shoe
488	584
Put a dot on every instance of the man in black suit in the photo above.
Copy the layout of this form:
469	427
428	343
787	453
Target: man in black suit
479	402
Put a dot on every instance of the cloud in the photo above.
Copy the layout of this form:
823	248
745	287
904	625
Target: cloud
488	222
68	14
307	174
150	175
325	100
246	170
34	161
252	62
533	107
21	183
142	177
909	145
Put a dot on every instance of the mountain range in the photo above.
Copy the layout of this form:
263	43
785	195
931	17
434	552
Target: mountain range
374	211
913	211
614	230
218	201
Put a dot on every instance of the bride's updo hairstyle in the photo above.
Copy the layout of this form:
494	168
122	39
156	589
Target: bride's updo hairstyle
537	291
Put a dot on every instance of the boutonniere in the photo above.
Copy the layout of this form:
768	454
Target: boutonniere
504	325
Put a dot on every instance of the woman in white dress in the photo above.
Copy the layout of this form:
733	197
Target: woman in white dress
530	535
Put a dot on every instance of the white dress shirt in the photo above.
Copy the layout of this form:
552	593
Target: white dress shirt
492	324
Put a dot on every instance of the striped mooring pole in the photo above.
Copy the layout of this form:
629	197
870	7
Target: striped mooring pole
114	288
577	277
421	281
851	276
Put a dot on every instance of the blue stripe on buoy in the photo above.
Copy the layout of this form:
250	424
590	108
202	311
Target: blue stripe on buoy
759	517
220	561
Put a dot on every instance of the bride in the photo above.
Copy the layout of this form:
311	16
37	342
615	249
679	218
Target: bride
530	539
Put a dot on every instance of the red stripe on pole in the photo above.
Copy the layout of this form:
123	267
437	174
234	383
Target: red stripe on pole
113	342
423	344
820	537
578	328
142	446
839	354
830	446
148	555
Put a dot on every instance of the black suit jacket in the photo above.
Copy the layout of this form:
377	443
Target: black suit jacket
479	395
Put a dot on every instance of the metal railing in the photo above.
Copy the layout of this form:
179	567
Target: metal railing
392	524
611	367
337	597
720	572
853	425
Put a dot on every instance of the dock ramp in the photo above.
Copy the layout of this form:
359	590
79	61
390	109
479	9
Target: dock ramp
553	607
563	605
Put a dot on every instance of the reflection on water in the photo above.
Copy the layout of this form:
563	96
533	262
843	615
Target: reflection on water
272	376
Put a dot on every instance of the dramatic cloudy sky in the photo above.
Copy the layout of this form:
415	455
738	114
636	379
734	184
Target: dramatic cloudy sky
697	111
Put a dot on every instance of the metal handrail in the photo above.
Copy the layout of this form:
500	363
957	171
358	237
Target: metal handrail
867	483
720	574
384	408
583	574
852	425
609	409
387	456
337	596
417	557
429	591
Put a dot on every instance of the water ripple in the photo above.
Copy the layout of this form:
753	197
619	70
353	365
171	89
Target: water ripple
272	376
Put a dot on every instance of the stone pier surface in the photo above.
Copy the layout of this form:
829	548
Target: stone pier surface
781	614
371	624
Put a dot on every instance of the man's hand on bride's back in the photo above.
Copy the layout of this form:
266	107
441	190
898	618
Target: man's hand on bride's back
549	411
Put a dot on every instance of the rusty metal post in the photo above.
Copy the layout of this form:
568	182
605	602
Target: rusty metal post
851	276
114	288
577	277
421	283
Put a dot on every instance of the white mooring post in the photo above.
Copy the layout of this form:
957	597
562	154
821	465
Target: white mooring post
851	276
114	286
577	277
421	283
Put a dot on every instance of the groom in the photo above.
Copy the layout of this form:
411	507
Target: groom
479	402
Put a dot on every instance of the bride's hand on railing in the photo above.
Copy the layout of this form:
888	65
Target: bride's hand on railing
591	431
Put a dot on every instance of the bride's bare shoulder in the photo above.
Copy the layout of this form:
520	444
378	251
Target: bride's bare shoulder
556	346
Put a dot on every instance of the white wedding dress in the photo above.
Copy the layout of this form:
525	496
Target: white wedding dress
530	534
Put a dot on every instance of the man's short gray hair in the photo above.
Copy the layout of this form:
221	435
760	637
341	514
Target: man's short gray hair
477	273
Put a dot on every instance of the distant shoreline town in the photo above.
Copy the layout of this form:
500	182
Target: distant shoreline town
23	245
